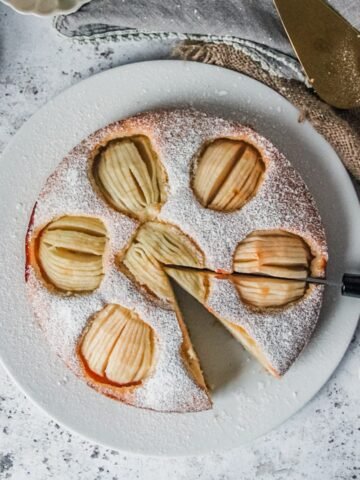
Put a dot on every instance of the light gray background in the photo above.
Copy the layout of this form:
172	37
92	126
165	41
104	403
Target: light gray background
320	442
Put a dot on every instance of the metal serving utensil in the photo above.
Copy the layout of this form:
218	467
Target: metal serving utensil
328	48
349	285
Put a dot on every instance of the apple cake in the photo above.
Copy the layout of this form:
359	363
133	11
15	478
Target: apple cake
172	194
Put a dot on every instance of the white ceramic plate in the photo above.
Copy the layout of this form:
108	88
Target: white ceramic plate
247	401
44	8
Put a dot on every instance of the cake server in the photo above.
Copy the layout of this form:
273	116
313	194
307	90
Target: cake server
349	285
328	48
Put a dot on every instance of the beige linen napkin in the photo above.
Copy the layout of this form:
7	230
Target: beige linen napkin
340	128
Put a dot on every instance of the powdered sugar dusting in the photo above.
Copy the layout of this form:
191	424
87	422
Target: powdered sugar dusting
63	319
69	191
177	136
283	201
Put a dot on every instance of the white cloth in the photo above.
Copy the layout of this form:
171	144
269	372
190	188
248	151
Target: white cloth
254	20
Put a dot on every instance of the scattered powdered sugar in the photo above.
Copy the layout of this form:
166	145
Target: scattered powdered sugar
282	201
69	191
282	333
63	319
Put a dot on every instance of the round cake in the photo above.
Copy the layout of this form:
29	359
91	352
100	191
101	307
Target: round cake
175	194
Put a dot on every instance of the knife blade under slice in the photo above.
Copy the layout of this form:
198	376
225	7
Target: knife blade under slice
349	285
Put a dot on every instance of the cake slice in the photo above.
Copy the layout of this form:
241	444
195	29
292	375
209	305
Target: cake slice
272	318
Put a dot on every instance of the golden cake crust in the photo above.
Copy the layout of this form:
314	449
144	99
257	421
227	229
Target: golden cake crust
281	201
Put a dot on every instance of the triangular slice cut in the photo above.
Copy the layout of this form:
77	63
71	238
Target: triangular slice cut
156	244
197	284
272	318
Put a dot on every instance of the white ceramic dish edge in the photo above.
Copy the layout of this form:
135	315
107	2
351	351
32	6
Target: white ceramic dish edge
177	83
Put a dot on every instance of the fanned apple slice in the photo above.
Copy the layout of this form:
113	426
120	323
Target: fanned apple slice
170	245
228	174
75	240
129	174
148	271
274	252
100	338
215	164
118	347
91	225
157	244
70	253
263	292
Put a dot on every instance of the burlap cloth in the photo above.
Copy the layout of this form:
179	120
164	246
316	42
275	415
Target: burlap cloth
340	128
246	36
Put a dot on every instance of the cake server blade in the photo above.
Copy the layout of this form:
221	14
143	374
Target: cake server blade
328	48
349	285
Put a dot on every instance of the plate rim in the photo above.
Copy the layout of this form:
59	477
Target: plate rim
29	393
